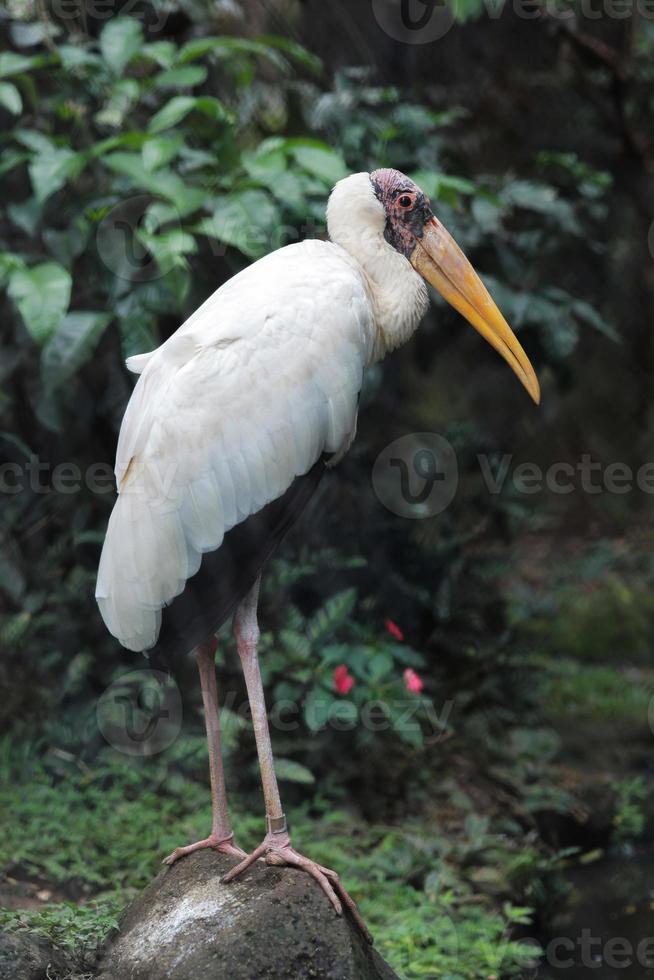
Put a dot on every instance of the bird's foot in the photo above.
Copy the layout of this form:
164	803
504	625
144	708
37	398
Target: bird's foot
224	845
276	850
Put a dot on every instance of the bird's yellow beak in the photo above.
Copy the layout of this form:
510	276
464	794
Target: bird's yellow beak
440	261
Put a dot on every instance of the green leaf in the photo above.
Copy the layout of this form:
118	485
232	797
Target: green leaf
213	108
67	244
74	57
71	345
264	163
179	107
325	163
559	333
10	98
164	183
162	52
26	215
138	332
443	186
293	772
334	613
172	113
183	77
11	159
130	165
589	315
469	9
168	247
51	170
380	666
289	189
124	95
531	195
198	48
28	35
317	708
13	64
121	39
230	47
160	150
34	140
9	263
294	50
42	294
245	220
404	722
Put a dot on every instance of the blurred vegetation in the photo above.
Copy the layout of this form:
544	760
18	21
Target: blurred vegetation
528	618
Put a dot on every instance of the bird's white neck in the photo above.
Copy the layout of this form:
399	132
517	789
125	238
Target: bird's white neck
356	221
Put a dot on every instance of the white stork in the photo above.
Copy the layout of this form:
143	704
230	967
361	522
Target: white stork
231	426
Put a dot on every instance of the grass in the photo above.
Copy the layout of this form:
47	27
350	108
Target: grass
597	693
98	834
445	894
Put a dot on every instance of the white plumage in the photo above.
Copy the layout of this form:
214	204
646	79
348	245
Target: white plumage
227	433
250	391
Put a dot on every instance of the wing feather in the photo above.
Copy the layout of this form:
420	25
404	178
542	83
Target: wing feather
259	383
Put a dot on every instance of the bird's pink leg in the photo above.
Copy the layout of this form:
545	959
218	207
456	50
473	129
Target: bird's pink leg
276	847
221	837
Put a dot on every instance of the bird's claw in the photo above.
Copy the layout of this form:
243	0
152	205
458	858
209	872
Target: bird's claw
224	845
276	850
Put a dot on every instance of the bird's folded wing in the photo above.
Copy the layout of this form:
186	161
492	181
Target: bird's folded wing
246	396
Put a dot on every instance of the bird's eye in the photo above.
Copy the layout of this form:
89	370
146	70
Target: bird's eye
405	201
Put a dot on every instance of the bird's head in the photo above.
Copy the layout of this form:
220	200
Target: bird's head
388	205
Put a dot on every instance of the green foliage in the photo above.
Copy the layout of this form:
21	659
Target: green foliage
417	886
630	818
299	661
139	172
78	928
214	163
593	693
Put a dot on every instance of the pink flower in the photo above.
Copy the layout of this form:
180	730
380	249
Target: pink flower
343	680
394	630
412	681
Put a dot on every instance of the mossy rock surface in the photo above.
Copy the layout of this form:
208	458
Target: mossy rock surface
24	956
272	923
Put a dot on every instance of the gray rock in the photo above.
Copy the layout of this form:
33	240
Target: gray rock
270	924
26	956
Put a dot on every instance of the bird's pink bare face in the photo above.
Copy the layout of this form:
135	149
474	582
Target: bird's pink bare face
407	208
414	231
